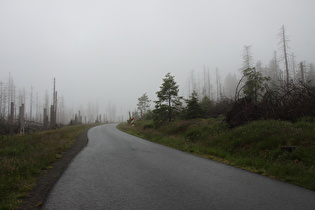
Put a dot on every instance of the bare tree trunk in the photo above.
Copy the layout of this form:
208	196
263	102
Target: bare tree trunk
9	95
247	57
55	103
22	119
80	117
204	87
293	67
52	116
11	119
45	119
302	72
2	101
209	84
277	74
53	107
285	54
218	84
31	105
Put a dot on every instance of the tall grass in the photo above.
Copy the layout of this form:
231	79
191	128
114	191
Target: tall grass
24	158
256	146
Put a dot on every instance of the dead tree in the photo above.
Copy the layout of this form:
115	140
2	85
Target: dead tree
302	72
22	120
247	57
52	116
11	119
45	119
53	108
284	47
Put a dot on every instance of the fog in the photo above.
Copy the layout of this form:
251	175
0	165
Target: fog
110	52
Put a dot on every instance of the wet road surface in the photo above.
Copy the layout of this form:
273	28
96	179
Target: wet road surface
120	171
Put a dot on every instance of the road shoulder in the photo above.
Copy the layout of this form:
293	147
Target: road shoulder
47	180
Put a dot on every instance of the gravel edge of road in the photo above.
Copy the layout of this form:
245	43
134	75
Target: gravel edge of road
47	180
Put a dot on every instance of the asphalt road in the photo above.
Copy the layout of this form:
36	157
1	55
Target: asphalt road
120	171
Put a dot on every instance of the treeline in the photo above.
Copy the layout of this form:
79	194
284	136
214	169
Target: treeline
256	97
283	67
23	110
261	92
170	106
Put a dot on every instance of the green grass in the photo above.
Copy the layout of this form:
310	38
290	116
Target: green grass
255	147
24	158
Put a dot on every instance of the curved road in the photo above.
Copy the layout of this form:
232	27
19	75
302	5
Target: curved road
120	171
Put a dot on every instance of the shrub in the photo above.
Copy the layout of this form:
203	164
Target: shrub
290	103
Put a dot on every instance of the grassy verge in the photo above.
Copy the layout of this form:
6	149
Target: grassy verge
257	146
24	158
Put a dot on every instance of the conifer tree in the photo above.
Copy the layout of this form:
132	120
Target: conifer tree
143	105
193	107
169	103
254	84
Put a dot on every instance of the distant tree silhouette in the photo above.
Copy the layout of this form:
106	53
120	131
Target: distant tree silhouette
143	105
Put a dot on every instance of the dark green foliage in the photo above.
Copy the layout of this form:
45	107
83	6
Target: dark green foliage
148	126
254	84
148	115
178	127
160	114
222	107
168	106
290	102
207	106
196	133
215	109
193	107
4	127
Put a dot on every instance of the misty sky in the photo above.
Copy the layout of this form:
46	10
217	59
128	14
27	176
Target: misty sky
116	50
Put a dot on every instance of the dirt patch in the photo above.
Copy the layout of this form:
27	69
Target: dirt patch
48	179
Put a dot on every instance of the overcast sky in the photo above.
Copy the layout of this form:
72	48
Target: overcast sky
117	50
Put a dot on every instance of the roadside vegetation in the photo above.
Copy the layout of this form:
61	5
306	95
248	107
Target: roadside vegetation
278	149
268	127
25	157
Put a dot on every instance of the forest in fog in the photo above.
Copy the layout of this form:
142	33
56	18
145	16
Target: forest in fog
283	70
210	83
22	108
27	104
68	62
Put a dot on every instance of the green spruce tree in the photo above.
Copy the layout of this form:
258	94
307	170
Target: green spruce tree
168	105
207	106
193	107
254	85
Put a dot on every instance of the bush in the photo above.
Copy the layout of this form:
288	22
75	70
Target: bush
289	103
